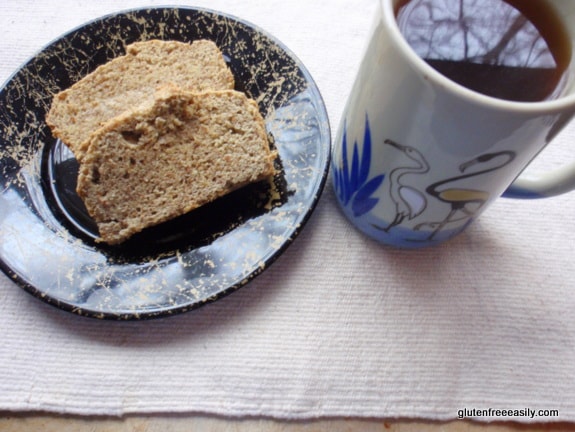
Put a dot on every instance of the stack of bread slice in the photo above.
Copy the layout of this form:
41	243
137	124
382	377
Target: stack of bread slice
159	132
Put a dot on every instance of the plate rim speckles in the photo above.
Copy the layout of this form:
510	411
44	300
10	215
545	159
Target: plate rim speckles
42	252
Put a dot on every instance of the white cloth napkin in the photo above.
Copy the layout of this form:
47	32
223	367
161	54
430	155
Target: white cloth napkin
339	325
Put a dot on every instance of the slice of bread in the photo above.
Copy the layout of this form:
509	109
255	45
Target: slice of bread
170	156
127	81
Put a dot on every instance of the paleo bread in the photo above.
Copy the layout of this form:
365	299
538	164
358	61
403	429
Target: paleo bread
170	156
127	81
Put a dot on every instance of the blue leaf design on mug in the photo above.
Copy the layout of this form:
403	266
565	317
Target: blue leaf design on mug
351	183
366	157
355	181
362	202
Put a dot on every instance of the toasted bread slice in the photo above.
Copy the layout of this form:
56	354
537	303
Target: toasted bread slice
170	156
125	82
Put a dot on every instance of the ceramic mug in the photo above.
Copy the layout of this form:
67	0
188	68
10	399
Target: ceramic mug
419	157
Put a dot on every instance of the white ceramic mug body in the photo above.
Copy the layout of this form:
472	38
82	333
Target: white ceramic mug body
418	157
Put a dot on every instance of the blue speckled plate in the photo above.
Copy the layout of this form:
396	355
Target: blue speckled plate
46	238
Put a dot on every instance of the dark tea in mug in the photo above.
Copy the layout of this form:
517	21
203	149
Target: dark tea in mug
517	50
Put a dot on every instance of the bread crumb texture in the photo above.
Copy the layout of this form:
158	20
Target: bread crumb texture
170	156
131	79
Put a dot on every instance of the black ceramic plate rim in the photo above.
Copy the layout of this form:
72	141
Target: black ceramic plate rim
319	182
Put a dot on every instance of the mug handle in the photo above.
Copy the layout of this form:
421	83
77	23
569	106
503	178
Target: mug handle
554	183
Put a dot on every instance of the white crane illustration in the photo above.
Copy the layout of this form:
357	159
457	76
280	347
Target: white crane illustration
409	202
